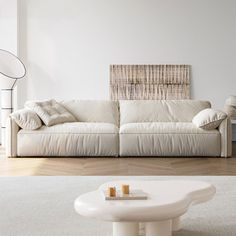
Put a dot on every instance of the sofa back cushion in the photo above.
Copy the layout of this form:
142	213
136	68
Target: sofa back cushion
93	111
134	111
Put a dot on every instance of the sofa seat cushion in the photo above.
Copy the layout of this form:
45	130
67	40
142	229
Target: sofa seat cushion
70	139
163	128
168	139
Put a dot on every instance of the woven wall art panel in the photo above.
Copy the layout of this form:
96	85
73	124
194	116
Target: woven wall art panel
149	82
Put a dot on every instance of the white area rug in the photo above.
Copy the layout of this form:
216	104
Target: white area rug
43	206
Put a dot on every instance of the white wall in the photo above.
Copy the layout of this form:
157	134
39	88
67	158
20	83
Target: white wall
69	44
8	25
8	32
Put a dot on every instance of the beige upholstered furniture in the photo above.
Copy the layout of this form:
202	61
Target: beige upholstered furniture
165	128
125	128
96	134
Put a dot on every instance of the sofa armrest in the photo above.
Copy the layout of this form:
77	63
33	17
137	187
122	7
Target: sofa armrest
11	137
225	129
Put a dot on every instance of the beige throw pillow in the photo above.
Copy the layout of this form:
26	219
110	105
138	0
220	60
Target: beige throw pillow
209	119
51	112
26	119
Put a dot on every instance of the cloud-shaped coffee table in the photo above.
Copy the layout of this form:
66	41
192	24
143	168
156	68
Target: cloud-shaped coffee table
167	202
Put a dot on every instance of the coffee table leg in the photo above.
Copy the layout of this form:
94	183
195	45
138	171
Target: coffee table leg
176	224
125	229
161	228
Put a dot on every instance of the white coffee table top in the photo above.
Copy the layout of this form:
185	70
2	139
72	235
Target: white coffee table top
166	200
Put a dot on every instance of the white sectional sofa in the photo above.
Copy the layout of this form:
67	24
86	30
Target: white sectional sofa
124	128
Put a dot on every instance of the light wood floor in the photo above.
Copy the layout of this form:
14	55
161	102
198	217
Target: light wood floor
117	166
